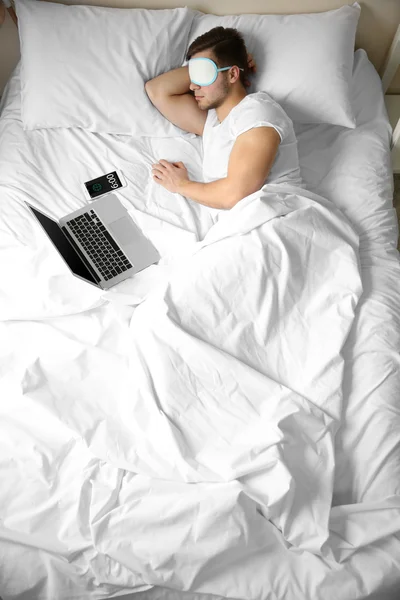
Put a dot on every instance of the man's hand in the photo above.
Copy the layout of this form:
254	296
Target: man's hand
170	175
251	65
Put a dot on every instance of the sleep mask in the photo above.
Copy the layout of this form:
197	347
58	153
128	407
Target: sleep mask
203	71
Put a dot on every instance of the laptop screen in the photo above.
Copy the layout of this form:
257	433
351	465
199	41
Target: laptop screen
75	260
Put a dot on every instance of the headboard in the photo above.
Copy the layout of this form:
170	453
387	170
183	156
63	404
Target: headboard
376	29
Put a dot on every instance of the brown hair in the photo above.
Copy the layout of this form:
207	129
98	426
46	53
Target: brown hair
227	45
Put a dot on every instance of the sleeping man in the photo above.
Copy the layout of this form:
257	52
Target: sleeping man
248	139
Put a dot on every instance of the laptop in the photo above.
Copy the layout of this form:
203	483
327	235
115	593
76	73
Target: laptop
100	242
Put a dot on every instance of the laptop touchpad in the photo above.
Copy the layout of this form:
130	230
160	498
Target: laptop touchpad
124	230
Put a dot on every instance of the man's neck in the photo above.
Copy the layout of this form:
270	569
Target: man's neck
224	110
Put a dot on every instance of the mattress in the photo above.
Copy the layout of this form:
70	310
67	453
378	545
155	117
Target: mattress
67	504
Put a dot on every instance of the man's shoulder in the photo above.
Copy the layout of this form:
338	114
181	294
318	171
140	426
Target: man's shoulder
262	104
261	97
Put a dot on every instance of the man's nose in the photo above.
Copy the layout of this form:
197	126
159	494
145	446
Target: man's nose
194	86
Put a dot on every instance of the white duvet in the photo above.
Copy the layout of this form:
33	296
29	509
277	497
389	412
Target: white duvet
188	428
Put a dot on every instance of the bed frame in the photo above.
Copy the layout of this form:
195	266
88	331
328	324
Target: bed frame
387	74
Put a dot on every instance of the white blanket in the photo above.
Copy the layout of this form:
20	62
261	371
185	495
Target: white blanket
227	375
235	361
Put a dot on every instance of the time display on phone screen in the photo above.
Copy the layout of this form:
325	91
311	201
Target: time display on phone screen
103	185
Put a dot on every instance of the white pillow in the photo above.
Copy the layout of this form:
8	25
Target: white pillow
304	61
86	66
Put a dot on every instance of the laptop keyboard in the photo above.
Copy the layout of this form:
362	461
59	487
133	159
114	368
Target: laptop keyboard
99	245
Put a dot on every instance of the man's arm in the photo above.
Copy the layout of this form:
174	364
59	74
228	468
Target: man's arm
170	94
250	161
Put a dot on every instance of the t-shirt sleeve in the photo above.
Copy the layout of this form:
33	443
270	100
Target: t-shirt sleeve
261	114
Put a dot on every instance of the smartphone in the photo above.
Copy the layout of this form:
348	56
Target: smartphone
104	184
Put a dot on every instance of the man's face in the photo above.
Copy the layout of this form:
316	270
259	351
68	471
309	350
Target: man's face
214	95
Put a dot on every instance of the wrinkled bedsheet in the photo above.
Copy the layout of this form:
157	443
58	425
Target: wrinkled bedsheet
230	377
227	376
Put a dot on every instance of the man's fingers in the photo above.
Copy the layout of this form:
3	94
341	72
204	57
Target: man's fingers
251	63
166	163
162	163
250	60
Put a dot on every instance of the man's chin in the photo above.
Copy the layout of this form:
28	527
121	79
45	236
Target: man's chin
208	106
215	104
204	105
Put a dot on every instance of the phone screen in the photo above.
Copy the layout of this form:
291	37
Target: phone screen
103	185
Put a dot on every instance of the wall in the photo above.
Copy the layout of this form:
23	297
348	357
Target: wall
9	50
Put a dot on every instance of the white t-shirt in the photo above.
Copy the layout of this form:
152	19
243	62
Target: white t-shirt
255	110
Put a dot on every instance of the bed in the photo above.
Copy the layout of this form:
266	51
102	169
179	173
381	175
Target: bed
226	424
